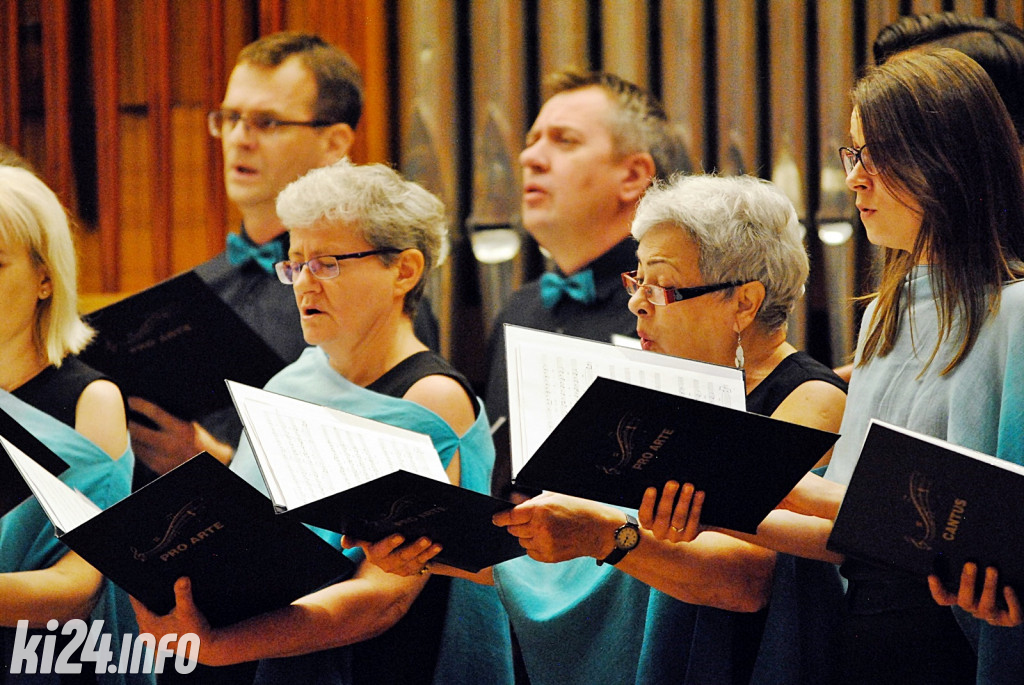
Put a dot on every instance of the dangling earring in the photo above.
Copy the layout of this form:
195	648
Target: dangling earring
739	351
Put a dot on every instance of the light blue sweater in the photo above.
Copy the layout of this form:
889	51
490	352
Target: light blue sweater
980	405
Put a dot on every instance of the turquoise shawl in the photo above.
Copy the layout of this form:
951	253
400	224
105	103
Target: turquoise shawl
979	405
28	540
476	643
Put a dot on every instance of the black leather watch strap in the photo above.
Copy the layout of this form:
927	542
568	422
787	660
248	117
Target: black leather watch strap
627	536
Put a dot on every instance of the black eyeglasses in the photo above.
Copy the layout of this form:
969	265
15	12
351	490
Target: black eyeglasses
222	121
325	267
657	295
851	155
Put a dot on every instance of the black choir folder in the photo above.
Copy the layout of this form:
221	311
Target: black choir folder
367	479
13	488
619	439
199	520
923	505
175	343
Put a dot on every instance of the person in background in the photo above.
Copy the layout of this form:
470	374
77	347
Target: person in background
591	152
362	243
292	104
72	409
595	146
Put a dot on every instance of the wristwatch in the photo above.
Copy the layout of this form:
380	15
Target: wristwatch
627	536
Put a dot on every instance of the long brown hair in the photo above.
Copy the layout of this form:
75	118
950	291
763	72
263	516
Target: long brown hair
941	135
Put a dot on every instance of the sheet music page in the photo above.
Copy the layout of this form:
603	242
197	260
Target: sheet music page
306	452
548	372
66	507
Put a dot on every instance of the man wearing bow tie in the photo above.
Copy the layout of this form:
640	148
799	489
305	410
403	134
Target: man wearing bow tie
292	104
594	148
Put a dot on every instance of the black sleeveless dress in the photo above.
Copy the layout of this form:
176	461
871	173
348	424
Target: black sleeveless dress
408	652
777	644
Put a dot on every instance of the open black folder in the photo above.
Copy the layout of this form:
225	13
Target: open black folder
923	505
13	488
175	343
619	439
199	520
367	479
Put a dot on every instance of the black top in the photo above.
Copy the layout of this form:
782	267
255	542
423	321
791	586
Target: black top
407	652
396	381
56	390
606	316
737	637
791	372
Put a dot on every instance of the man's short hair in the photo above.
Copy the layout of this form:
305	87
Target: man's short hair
639	122
339	84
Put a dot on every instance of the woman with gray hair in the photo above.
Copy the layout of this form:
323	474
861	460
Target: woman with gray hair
362	240
721	265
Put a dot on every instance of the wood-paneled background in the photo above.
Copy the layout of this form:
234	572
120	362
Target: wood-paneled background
108	97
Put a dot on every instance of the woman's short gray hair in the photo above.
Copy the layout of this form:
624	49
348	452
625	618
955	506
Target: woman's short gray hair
744	228
388	210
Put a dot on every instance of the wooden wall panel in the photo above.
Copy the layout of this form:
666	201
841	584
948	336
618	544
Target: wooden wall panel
624	44
108	146
925	6
789	105
739	88
159	96
969	7
684	79
272	16
189	191
1010	10
10	83
563	28
360	27
836	227
498	56
55	16
136	254
158	65
431	128
214	50
131	24
190	41
877	15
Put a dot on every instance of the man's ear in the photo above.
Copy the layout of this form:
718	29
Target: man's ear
638	173
748	298
409	264
338	140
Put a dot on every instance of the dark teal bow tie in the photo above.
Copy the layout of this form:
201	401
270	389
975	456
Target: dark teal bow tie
242	250
580	287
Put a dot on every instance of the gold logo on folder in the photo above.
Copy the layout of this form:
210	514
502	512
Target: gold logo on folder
919	496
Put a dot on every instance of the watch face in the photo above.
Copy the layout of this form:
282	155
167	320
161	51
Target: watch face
627	537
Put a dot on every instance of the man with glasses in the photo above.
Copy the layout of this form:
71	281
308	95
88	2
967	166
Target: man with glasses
292	104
